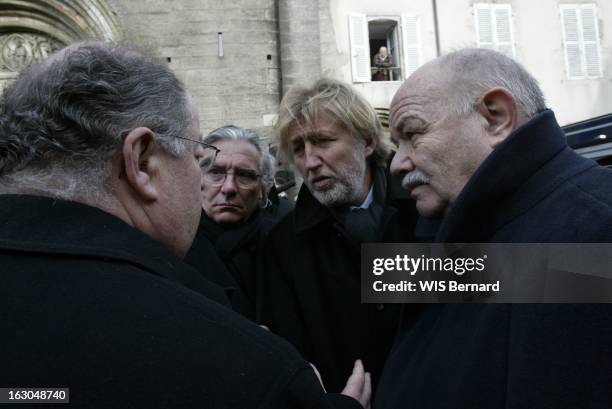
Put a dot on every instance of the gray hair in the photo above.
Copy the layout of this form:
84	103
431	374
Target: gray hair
303	105
266	160
62	121
473	71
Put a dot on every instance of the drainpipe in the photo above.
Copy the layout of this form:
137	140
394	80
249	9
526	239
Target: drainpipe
434	5
300	43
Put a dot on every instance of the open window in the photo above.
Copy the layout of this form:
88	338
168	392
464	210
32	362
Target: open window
384	48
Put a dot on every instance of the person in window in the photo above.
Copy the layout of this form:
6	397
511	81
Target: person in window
382	60
238	210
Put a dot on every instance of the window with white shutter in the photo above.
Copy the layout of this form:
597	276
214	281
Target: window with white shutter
412	43
380	50
581	41
360	47
494	29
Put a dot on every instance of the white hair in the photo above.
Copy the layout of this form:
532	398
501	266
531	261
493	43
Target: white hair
473	71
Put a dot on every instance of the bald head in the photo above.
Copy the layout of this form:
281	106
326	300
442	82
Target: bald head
448	117
461	77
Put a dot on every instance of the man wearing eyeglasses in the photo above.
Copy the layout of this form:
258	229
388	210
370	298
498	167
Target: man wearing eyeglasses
237	213
100	198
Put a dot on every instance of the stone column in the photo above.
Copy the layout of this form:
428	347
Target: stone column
300	44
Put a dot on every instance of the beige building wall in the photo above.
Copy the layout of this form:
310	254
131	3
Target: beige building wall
539	47
538	44
243	87
335	39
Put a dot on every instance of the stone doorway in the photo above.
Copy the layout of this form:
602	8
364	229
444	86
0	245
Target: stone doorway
30	31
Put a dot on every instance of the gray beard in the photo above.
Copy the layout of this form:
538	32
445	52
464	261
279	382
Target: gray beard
338	195
348	185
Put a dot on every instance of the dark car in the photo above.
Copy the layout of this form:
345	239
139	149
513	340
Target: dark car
592	138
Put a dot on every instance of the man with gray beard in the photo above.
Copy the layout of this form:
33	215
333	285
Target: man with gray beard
309	286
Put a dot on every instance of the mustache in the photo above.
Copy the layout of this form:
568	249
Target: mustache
413	179
313	175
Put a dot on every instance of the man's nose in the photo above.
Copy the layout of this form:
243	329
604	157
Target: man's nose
312	158
401	163
229	184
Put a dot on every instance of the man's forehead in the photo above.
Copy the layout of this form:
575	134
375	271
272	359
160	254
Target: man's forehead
322	123
420	96
410	107
237	160
237	150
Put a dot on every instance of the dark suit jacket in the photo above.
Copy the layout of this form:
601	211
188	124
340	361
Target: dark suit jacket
89	303
310	288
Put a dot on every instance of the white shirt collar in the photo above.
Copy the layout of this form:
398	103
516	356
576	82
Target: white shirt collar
367	201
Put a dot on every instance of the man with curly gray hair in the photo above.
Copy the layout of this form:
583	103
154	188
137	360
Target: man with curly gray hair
100	187
310	291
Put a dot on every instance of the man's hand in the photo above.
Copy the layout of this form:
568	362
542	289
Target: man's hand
359	385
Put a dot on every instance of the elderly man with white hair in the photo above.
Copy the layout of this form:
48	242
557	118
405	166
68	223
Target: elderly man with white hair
477	147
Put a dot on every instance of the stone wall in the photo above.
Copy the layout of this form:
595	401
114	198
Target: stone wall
240	88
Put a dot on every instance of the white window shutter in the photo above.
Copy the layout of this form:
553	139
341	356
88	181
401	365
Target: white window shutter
360	48
412	43
571	40
494	27
503	29
590	36
484	25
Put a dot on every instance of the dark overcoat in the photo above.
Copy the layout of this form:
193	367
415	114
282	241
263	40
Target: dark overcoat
532	188
310	284
227	254
90	303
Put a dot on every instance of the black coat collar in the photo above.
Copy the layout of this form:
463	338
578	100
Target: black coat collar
491	192
36	224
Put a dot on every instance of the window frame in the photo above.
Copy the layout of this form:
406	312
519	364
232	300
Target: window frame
580	42
495	43
400	58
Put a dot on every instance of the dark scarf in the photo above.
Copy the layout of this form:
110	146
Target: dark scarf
228	238
363	225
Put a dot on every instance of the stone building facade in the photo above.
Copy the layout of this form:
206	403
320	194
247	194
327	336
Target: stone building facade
237	58
227	53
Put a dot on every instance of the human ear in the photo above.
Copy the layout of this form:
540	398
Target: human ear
140	162
370	146
498	107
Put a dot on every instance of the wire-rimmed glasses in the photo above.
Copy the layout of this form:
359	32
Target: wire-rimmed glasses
244	178
207	161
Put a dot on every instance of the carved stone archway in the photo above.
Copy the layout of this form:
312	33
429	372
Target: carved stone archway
31	30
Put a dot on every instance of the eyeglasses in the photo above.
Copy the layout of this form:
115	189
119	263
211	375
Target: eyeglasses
215	176
207	161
